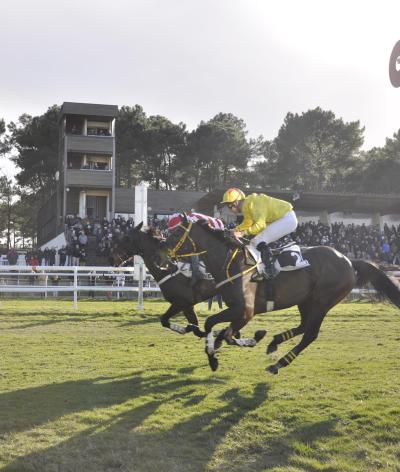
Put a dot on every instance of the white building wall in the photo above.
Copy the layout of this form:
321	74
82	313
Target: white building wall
349	218
308	216
56	242
391	220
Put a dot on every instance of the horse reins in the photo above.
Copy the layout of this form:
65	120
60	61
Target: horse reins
124	261
173	252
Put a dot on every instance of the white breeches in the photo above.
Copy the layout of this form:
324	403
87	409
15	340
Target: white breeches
279	228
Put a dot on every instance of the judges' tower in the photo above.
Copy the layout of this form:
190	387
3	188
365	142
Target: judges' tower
86	161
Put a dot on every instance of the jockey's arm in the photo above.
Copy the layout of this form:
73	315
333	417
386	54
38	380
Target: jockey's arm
244	225
254	219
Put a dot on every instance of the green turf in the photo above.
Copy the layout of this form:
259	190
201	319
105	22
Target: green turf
107	389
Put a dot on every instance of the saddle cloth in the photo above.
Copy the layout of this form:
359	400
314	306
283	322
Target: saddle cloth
186	269
287	257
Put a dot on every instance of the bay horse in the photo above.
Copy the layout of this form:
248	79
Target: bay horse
314	289
176	288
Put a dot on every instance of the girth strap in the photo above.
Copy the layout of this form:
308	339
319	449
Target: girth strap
169	276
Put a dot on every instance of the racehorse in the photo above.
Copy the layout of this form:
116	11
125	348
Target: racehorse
176	287
315	289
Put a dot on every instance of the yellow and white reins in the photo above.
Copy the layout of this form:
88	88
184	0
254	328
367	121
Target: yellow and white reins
173	253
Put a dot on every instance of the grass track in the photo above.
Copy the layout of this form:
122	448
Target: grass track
107	389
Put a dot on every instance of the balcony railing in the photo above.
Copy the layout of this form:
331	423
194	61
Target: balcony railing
90	144
89	178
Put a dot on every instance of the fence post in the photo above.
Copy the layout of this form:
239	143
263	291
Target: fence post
140	292
75	288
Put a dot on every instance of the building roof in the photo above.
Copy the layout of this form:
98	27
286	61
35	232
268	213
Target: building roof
160	201
89	109
319	201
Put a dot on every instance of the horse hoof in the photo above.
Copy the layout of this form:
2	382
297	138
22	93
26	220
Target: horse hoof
177	328
258	335
195	330
271	348
213	361
272	369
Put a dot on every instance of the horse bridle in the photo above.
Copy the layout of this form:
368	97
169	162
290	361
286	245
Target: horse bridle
173	253
124	259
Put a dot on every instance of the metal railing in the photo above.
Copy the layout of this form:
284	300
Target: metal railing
75	279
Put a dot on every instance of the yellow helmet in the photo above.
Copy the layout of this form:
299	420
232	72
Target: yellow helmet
232	195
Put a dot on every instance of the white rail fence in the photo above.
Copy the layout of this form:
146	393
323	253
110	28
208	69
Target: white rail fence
75	279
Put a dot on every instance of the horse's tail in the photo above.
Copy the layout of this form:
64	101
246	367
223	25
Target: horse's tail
383	284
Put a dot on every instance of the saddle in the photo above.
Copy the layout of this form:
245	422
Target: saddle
286	252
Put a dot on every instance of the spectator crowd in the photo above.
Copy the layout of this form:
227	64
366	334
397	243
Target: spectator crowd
355	241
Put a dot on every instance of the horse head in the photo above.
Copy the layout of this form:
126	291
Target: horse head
135	243
175	246
189	239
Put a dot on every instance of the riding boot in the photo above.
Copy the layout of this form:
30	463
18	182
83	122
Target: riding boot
268	260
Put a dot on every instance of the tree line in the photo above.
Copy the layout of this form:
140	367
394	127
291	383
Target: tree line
313	151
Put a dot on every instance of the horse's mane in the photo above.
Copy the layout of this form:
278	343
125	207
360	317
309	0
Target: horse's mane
217	233
222	235
150	232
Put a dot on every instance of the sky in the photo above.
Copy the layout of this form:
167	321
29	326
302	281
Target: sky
191	59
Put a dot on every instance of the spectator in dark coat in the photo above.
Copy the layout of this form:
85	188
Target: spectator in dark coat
12	256
62	252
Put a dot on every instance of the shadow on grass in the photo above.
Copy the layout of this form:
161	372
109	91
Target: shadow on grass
123	442
283	449
142	320
28	408
32	325
70	318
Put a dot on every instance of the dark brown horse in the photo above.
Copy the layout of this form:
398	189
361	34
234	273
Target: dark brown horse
176	287
315	289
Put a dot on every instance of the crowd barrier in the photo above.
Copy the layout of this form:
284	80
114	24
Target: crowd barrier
75	279
90	279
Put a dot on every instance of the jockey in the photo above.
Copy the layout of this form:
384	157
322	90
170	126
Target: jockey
175	220
265	217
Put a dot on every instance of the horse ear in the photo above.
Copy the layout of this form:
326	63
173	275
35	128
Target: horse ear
139	226
184	217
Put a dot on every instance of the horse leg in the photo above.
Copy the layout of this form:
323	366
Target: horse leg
311	331
232	340
282	337
220	336
172	311
193	326
210	349
290	333
235	327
